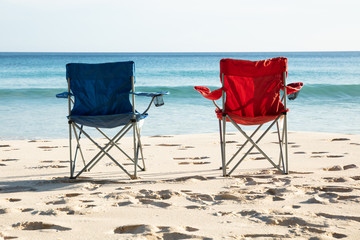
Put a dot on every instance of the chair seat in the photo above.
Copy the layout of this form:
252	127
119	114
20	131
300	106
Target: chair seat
105	121
248	120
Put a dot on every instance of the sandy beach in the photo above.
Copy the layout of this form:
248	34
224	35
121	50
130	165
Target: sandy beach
183	195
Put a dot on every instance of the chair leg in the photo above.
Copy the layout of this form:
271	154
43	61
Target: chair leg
223	144
135	151
70	148
139	147
281	142
78	147
286	146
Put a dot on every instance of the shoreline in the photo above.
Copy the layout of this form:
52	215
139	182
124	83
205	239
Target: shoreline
183	194
171	135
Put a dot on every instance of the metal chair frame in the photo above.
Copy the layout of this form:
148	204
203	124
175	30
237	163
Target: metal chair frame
77	130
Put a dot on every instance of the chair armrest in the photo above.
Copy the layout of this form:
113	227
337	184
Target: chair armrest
155	97
63	95
206	93
154	94
293	89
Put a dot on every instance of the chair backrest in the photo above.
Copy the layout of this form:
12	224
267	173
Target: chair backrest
100	89
253	87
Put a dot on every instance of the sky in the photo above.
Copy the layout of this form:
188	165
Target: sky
179	25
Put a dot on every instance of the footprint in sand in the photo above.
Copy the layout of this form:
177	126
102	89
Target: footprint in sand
160	232
335	179
194	163
258	158
90	186
183	163
196	207
333	197
182	147
154	203
26	209
191	158
334	189
335	156
9	160
339	217
333	168
168	145
299	152
339	168
122	204
201	163
185	179
133	229
72	194
39	226
47	161
47	166
3	211
200	197
267	236
33	141
338	235
13	199
350	166
162	136
47	148
280	219
50	212
68	211
356	144
315	200
57	202
339	139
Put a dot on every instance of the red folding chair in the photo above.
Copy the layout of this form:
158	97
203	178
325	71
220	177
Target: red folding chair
251	96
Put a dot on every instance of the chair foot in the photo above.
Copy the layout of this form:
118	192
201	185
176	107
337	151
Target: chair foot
72	177
133	177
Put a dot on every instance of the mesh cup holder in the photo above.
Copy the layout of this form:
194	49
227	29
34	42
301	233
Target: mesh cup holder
159	101
293	95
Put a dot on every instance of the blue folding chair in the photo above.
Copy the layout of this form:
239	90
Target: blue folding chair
99	97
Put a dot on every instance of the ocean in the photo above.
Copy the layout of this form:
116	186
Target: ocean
328	102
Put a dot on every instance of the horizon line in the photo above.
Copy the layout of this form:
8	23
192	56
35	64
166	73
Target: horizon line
177	52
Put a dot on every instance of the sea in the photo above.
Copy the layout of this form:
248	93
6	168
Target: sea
328	102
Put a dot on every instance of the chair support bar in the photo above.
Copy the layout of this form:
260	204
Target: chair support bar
255	144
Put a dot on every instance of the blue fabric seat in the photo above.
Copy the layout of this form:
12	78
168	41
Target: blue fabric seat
101	93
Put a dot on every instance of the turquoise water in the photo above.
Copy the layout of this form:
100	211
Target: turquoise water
329	101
